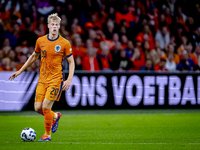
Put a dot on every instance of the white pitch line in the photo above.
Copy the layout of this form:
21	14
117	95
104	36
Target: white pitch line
113	143
93	143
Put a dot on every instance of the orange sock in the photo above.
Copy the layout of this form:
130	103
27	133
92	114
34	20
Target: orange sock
47	121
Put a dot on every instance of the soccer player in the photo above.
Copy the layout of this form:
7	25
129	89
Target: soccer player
52	48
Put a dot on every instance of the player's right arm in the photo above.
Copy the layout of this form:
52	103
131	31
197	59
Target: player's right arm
30	60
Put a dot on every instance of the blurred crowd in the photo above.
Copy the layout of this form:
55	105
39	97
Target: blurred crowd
107	35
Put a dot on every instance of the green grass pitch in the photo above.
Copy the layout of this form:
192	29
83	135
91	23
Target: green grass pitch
106	130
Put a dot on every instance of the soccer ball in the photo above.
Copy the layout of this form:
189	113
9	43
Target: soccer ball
28	134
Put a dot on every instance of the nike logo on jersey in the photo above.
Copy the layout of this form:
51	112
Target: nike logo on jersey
42	46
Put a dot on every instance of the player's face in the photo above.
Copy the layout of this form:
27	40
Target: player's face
54	26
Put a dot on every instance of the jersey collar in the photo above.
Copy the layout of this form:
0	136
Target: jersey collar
51	39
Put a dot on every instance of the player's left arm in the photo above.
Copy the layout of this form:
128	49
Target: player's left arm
67	83
30	60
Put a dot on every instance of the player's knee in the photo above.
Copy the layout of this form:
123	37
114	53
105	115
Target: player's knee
47	104
39	110
38	107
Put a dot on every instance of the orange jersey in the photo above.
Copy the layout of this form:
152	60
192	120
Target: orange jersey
52	53
81	51
176	58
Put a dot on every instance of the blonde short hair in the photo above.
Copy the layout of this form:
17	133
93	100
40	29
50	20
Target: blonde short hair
53	17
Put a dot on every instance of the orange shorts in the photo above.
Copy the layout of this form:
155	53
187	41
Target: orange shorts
50	91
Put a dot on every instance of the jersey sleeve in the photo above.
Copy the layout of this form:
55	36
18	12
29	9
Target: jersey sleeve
68	49
37	47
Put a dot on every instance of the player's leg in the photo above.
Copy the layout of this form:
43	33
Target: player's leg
52	94
39	97
46	107
56	91
38	107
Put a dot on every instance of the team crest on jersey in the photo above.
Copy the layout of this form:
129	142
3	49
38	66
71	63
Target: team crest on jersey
57	48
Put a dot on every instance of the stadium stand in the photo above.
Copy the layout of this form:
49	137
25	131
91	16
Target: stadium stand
108	35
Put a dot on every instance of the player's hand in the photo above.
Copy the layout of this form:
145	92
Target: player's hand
14	75
66	85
